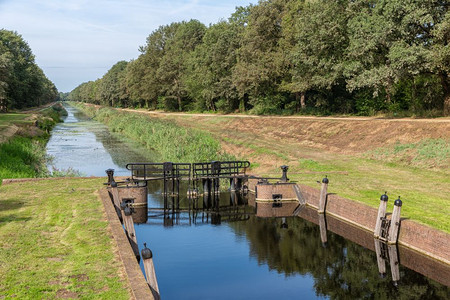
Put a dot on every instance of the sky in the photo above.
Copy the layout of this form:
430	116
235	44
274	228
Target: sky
75	41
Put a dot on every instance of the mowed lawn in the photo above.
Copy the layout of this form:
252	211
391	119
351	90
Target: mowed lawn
55	243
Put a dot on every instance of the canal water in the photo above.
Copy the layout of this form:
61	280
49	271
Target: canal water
232	253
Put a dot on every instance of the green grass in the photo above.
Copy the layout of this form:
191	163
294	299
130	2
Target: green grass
11	118
173	142
22	157
424	191
428	153
54	242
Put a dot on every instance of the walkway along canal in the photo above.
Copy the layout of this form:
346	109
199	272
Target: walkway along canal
235	253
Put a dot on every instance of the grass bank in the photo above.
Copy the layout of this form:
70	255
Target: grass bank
418	171
55	242
174	143
23	153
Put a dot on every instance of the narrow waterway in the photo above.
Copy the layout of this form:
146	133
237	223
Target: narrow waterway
232	253
87	146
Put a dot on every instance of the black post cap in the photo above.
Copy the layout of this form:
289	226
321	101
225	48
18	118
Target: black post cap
146	253
384	197
398	202
325	180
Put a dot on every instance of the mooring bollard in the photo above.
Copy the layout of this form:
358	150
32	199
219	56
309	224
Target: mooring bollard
284	177
149	269
381	214
395	222
323	195
110	173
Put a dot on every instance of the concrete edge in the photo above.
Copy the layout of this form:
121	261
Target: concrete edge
136	279
17	180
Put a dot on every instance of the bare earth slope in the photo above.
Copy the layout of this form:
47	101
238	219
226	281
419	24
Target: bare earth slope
362	157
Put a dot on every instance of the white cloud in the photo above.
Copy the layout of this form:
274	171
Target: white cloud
75	41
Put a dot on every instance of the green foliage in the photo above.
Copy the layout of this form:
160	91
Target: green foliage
22	82
174	143
22	157
286	56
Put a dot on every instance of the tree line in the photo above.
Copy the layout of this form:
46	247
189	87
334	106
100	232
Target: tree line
290	56
22	81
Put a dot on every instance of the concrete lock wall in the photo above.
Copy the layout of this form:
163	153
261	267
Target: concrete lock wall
139	194
266	191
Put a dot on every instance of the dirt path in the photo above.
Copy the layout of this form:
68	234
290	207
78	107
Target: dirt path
168	114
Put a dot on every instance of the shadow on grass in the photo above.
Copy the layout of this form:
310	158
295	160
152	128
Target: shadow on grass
12	218
11	204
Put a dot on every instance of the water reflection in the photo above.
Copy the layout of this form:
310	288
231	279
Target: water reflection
294	247
87	146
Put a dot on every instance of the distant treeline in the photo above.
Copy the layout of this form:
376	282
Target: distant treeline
287	56
22	82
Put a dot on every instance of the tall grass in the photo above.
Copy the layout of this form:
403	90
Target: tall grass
22	157
174	143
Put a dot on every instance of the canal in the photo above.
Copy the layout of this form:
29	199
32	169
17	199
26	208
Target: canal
242	255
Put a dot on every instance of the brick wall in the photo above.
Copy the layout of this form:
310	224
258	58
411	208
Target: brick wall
422	238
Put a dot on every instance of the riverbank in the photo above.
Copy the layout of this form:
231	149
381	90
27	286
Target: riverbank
345	151
173	143
55	242
23	139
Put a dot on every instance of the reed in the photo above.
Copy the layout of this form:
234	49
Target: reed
173	142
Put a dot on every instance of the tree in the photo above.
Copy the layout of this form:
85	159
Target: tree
173	65
111	91
317	58
209	71
257	73
22	82
391	41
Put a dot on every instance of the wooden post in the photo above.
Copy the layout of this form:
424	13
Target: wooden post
395	222
381	262
232	185
323	229
149	269
129	226
115	194
381	214
323	195
394	262
300	198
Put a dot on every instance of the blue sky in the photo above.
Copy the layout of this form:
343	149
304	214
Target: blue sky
75	41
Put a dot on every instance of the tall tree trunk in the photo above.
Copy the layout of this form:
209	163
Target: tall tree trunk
300	101
303	100
179	103
446	87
